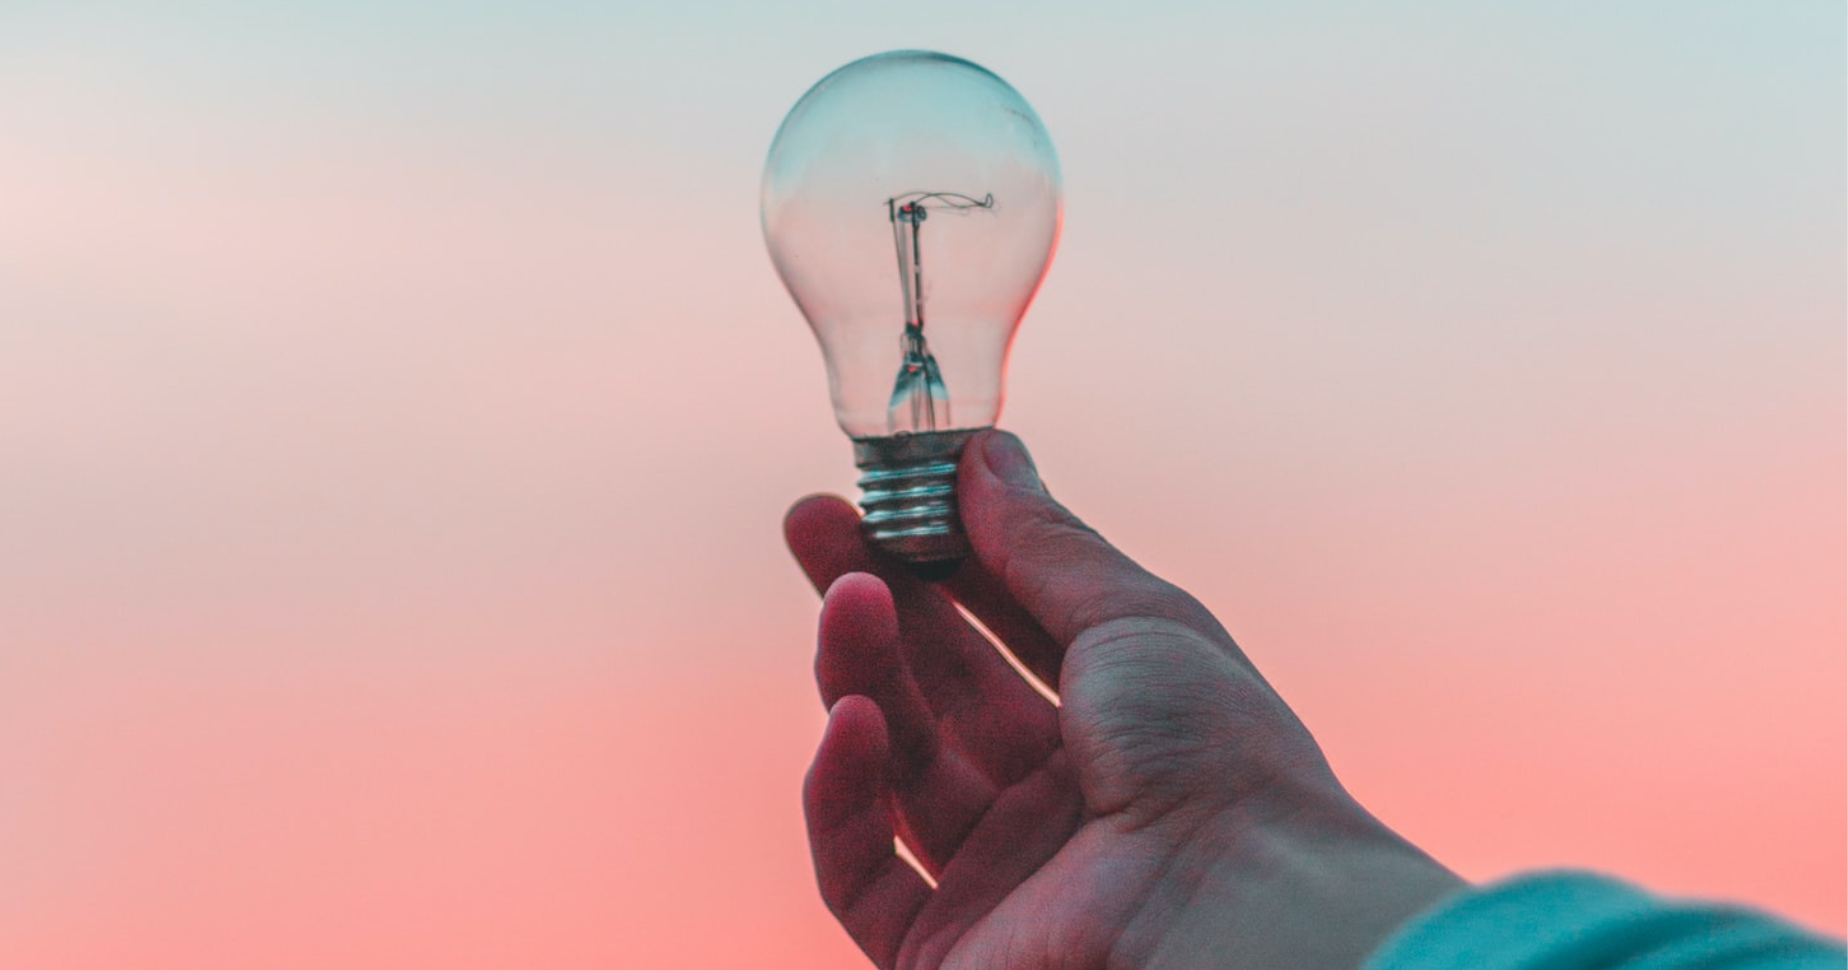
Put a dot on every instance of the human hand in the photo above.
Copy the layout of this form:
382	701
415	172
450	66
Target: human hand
1171	812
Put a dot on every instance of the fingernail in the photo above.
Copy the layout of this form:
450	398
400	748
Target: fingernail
1008	459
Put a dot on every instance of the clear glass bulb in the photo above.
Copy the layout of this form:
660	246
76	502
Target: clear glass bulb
911	202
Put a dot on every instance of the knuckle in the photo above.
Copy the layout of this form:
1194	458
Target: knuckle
1144	596
1171	707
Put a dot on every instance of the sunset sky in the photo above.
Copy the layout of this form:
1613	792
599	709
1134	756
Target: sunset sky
397	411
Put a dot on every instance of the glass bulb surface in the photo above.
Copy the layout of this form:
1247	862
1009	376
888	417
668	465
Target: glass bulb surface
912	203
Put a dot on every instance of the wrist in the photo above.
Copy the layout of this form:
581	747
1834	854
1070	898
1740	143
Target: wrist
1306	889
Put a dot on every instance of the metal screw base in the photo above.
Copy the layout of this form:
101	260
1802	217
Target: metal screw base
908	489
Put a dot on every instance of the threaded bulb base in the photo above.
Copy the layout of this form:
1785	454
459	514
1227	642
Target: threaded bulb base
908	490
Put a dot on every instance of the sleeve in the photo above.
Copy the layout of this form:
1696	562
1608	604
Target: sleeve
1581	921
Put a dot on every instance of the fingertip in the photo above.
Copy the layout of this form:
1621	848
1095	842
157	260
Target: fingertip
1005	458
1000	494
997	480
993	461
857	585
846	802
848	771
859	717
858	610
811	515
823	534
857	649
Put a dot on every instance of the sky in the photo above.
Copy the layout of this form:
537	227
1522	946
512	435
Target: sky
397	411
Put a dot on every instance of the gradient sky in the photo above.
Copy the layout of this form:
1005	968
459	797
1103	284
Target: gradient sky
397	409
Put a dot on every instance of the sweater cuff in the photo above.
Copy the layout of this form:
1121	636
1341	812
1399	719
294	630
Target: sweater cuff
1581	921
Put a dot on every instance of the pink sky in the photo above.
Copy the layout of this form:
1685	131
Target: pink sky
397	420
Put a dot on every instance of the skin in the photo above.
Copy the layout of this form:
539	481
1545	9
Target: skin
1169	812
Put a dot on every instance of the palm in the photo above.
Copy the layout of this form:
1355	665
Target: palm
1065	890
1030	818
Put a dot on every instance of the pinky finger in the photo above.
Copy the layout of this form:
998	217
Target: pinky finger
872	892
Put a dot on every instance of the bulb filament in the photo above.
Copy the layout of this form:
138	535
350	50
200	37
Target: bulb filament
919	387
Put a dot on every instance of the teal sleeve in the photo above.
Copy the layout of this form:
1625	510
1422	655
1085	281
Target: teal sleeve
1580	921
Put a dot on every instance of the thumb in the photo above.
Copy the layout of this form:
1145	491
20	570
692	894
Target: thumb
1057	568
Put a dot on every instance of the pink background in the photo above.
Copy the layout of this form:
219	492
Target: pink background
397	409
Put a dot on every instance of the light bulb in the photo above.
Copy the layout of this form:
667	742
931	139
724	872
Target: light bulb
911	202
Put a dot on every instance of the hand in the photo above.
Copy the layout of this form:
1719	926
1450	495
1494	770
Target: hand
1171	812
